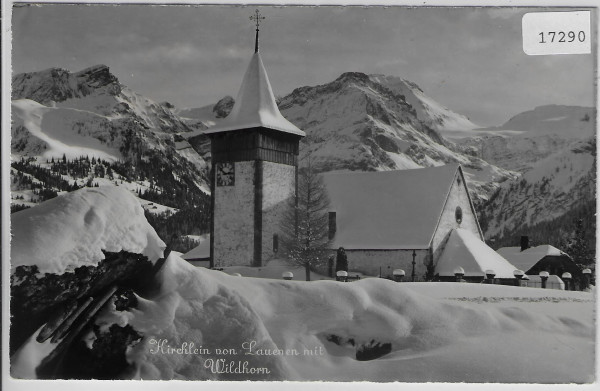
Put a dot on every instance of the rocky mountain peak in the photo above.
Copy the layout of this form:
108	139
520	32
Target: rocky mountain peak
97	76
353	76
223	107
58	84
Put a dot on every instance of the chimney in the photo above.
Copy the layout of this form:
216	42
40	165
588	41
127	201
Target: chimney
332	225
524	243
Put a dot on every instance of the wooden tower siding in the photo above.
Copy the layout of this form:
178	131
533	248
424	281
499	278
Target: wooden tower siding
255	144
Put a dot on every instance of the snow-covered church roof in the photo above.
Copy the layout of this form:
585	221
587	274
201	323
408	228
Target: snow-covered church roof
526	259
467	251
388	210
255	105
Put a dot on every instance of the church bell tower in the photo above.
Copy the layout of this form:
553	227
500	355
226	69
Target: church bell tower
254	153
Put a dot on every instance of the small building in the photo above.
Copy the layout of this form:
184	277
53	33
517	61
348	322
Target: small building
199	255
533	260
386	220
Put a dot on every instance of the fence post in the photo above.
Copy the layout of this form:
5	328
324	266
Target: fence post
459	272
398	275
287	275
518	276
587	274
544	276
566	276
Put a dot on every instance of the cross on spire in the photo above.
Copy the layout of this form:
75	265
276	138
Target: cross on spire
257	17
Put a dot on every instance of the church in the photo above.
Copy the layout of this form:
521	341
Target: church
420	220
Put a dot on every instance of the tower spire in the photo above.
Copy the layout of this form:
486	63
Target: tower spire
257	17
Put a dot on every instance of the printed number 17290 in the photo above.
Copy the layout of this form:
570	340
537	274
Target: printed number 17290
562	36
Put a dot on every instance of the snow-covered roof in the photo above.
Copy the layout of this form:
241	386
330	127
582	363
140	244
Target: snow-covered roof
201	251
255	105
388	209
526	259
71	230
467	251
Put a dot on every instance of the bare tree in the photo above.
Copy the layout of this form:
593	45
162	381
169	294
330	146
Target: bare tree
305	223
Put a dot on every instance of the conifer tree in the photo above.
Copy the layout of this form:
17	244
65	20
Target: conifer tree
305	223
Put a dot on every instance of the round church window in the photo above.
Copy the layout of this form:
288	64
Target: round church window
458	214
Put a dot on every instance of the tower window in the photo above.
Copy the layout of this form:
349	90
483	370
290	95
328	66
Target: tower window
275	243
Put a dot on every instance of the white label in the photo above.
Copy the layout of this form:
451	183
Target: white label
557	33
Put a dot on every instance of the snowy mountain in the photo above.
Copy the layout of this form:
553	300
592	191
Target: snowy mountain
362	122
71	130
72	106
553	187
533	135
429	111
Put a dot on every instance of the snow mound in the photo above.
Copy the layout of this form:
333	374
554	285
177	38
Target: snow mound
71	230
429	336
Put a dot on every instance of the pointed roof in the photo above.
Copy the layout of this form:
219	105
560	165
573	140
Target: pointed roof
389	210
466	250
255	105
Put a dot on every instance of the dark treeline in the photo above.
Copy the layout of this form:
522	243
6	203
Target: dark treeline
574	233
172	227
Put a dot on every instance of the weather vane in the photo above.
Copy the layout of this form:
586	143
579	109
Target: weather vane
257	17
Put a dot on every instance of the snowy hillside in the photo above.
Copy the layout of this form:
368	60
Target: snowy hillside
570	122
206	116
430	112
533	135
551	188
259	329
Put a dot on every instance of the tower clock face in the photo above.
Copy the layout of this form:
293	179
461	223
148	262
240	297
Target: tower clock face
225	174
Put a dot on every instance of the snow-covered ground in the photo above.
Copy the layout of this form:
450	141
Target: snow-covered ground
48	124
438	331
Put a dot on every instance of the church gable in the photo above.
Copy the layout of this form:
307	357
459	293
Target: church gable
458	212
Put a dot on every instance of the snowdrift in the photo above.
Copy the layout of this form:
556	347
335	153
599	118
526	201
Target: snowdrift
437	331
72	230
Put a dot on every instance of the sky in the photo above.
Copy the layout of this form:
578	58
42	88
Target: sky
469	59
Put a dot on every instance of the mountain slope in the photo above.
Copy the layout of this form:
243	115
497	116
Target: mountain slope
533	135
429	111
554	187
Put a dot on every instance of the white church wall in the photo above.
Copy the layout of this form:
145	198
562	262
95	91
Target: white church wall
234	219
458	197
369	262
278	188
